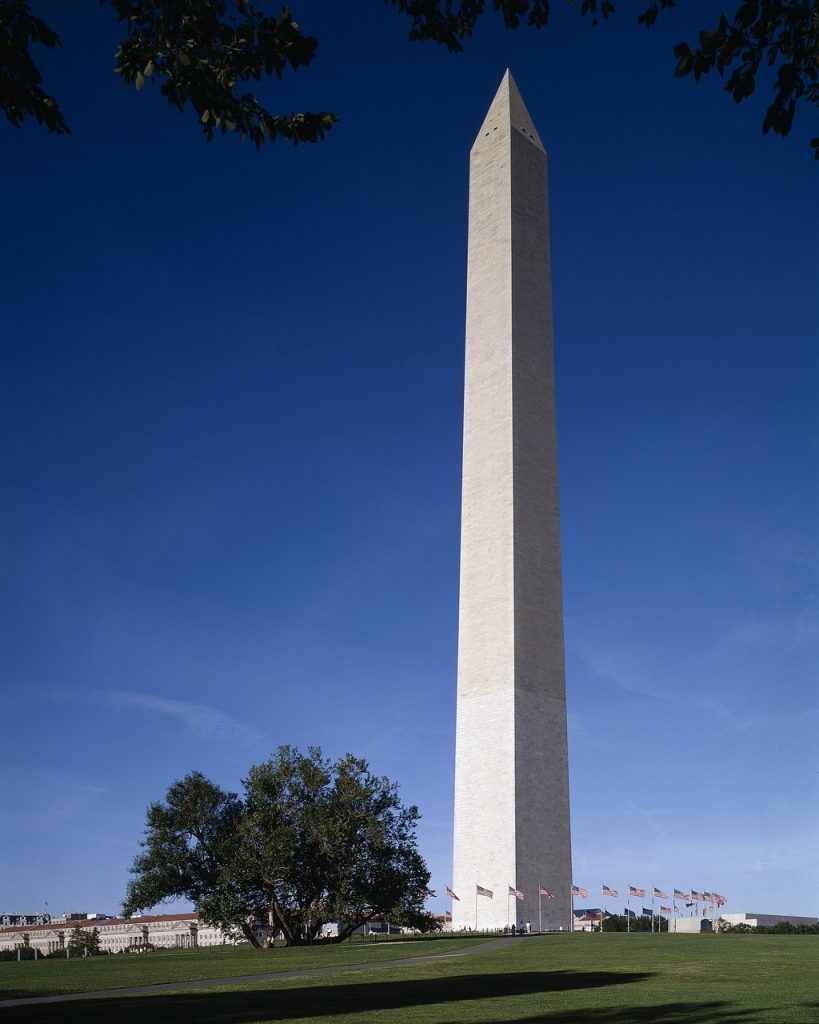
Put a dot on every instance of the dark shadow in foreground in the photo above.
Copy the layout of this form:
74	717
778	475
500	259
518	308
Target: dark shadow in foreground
272	1004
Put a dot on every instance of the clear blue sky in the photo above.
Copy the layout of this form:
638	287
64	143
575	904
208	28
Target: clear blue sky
232	402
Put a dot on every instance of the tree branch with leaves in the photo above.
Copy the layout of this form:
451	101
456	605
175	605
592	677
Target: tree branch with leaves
778	34
200	53
203	55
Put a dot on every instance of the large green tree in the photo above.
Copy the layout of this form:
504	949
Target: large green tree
311	842
203	53
189	850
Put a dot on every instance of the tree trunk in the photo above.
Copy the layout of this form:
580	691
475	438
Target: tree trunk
250	935
346	932
283	925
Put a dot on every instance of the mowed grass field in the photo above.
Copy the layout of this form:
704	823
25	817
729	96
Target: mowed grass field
59	977
561	979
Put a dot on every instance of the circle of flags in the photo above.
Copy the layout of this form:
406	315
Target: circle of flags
695	896
639	892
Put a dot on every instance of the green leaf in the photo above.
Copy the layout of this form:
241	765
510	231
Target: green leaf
684	65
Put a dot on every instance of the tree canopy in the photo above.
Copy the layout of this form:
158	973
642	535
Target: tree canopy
310	842
83	942
202	53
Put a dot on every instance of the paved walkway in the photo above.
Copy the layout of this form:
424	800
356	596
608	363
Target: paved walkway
242	979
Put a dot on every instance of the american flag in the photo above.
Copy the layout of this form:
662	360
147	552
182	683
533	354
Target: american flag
680	895
697	895
484	892
660	894
634	891
516	893
546	893
608	891
648	912
721	900
666	910
578	890
451	894
629	913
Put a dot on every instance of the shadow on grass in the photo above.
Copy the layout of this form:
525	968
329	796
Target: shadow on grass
664	1013
274	1004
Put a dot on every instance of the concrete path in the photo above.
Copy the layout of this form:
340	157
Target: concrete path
243	979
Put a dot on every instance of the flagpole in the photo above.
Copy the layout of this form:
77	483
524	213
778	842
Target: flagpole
652	911
628	915
571	918
476	906
539	912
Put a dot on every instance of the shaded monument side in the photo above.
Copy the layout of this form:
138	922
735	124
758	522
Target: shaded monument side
543	843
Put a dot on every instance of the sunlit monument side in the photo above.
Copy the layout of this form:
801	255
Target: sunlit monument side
511	764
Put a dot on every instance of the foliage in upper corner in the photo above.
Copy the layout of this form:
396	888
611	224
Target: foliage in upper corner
21	84
784	35
311	842
203	51
780	34
450	21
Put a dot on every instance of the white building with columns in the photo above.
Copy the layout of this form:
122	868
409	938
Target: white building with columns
117	935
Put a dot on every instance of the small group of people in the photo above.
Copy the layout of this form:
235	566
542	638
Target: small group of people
522	928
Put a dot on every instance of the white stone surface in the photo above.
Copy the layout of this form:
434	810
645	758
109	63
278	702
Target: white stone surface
511	771
690	925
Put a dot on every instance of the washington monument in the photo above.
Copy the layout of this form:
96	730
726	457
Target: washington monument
511	763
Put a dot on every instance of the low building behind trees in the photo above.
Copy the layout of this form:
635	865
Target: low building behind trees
118	935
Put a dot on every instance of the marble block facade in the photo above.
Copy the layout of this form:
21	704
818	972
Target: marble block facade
511	770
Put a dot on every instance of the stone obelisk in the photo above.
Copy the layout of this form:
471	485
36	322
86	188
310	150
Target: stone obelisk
511	762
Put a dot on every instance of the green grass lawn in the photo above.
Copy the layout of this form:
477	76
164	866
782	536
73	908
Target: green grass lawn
52	977
565	979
